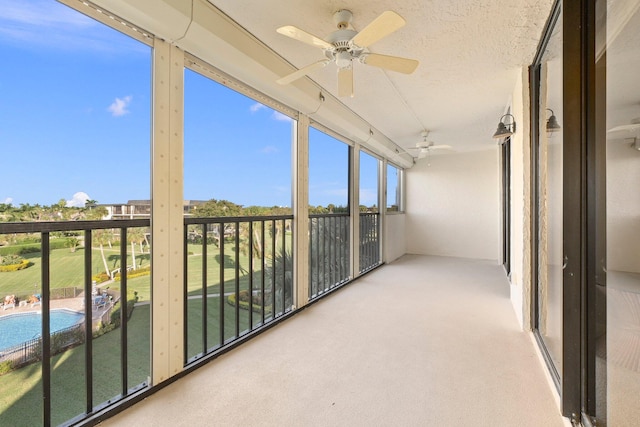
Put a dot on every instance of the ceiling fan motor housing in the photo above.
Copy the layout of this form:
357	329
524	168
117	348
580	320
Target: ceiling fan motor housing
343	52
342	18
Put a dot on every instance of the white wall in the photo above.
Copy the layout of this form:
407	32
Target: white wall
453	205
394	238
623	206
521	203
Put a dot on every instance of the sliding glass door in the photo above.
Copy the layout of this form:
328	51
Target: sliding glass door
548	151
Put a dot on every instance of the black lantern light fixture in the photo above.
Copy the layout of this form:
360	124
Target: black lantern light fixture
552	122
505	130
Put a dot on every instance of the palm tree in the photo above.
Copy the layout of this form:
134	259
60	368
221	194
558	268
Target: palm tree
134	235
101	237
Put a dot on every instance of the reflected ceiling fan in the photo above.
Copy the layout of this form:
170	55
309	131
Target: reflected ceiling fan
627	133
635	125
425	147
345	45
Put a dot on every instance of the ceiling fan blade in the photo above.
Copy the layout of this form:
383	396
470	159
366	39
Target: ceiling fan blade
302	72
441	147
345	82
382	26
303	36
628	128
393	63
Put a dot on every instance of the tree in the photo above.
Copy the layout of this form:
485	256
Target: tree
217	208
96	213
134	235
101	237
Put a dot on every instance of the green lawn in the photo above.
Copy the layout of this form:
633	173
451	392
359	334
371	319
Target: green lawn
66	270
21	390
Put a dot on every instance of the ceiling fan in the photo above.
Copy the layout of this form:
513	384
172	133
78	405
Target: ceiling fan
635	125
425	147
345	45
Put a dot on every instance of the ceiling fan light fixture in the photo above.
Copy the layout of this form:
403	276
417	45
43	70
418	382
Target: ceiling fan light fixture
505	130
343	59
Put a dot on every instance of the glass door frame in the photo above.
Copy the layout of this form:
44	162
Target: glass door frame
577	77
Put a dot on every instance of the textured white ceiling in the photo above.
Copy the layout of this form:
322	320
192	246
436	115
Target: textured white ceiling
471	53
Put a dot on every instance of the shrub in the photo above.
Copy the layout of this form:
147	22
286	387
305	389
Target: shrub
244	302
10	259
6	366
32	248
103	329
132	299
100	277
145	271
15	267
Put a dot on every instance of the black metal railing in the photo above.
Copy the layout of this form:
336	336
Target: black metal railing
108	358
238	278
329	257
30	351
369	241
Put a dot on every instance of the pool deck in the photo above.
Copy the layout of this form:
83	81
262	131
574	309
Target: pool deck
74	304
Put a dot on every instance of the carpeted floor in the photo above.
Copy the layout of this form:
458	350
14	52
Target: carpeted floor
423	341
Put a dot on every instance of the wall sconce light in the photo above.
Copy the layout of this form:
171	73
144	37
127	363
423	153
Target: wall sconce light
505	130
552	122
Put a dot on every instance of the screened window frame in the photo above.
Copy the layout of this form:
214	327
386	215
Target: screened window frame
400	190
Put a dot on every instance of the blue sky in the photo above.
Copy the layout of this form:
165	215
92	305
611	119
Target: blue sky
75	119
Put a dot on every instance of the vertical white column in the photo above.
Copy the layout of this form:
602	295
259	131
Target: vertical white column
382	207
354	203
167	222
301	209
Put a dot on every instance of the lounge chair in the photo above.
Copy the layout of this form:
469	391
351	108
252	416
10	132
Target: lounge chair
34	300
9	302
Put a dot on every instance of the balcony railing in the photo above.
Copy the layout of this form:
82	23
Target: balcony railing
96	370
241	281
369	241
329	257
238	279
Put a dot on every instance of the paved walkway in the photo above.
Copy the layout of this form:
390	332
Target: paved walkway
74	304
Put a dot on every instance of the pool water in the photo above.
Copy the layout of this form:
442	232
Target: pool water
18	328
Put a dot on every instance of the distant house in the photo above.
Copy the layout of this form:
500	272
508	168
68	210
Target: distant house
135	209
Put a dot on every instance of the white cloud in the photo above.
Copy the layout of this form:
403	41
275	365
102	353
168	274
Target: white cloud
119	106
269	149
368	197
7	200
257	107
42	13
47	23
78	200
277	115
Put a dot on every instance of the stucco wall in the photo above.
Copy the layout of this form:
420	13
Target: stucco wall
521	203
395	241
453	205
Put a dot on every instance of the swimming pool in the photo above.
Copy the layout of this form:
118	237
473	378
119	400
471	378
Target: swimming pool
18	328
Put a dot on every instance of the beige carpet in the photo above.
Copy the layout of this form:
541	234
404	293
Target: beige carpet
424	341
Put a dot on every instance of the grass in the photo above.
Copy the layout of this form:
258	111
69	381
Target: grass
21	390
66	270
